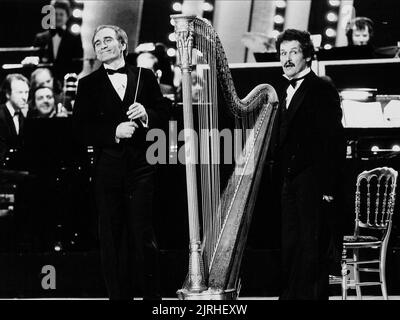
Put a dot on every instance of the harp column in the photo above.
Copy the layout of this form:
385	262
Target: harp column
184	39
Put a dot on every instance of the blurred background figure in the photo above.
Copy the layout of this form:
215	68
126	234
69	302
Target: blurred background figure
150	61
360	31
16	91
43	77
43	104
60	46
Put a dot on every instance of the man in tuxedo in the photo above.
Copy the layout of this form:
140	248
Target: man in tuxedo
16	90
114	107
60	46
308	150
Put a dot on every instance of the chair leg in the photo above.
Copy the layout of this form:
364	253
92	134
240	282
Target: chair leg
382	273
357	274
344	275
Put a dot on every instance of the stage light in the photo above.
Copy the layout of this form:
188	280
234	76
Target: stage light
208	6
334	3
375	149
332	17
75	28
280	4
77	13
171	52
58	247
172	37
278	19
177	6
274	33
331	33
327	46
396	148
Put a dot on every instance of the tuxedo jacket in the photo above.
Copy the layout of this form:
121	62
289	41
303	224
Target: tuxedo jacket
8	135
69	53
98	110
310	133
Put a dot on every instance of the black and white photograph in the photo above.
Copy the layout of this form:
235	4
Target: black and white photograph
228	153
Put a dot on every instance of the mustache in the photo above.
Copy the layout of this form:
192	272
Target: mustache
289	64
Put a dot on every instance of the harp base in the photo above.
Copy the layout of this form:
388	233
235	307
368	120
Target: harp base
209	294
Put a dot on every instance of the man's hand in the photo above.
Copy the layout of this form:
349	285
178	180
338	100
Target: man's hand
137	111
327	198
125	130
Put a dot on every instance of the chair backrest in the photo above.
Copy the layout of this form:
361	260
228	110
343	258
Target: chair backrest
375	199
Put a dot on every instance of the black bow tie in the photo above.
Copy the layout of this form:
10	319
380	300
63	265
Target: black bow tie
293	82
120	70
59	31
17	113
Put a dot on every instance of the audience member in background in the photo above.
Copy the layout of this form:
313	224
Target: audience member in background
43	77
43	104
16	90
360	31
149	61
60	46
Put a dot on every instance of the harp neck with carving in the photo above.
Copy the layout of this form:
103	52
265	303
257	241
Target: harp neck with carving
223	203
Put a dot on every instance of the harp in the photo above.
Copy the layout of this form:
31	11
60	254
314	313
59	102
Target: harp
220	193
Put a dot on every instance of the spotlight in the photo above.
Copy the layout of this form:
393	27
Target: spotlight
375	149
278	19
177	6
77	13
172	37
208	7
274	33
327	46
396	148
330	32
76	28
280	4
334	3
332	17
171	52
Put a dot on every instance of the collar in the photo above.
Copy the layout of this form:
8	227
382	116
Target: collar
300	74
107	66
10	109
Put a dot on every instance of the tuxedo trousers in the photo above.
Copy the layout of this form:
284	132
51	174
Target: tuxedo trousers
124	189
305	239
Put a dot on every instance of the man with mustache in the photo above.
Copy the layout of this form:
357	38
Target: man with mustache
114	108
308	151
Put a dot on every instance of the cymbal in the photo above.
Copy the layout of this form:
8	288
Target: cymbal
14	175
390	51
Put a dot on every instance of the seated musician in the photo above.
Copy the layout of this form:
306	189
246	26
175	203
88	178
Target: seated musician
43	104
44	77
359	31
60	46
16	91
150	61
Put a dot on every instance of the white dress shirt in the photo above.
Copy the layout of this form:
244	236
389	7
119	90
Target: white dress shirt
56	39
13	115
118	80
290	90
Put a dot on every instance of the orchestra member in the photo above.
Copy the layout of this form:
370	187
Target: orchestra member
43	104
114	107
308	152
359	31
16	90
60	46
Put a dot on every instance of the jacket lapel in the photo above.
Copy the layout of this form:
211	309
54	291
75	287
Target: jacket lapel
10	122
132	86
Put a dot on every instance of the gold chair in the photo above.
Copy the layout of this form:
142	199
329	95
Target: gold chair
374	204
